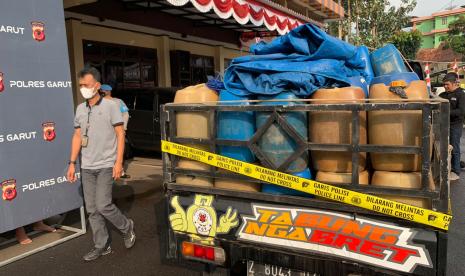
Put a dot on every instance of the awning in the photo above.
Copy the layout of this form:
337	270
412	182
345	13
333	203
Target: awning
249	12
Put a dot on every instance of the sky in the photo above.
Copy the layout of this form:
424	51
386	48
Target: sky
427	7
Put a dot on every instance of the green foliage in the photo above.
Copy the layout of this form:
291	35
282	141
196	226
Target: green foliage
373	22
456	36
408	43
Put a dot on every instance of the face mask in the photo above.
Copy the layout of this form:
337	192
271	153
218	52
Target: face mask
87	93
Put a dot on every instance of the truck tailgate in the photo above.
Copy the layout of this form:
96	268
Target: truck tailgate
312	238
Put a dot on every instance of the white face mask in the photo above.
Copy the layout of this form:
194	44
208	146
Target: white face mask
87	93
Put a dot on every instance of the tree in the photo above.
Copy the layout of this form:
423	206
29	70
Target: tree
373	22
456	36
408	43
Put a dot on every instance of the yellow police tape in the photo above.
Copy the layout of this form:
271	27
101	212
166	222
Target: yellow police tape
366	201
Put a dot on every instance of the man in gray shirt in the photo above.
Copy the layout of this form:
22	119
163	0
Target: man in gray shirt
99	136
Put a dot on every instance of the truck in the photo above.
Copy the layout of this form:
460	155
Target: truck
228	232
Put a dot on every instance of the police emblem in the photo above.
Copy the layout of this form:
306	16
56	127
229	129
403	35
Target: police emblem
2	85
38	30
8	189
49	131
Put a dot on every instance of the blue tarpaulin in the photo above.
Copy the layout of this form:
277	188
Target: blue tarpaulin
300	62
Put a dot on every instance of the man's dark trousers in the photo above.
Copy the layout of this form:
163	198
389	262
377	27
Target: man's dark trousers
455	135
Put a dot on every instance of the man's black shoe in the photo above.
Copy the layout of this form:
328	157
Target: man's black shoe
130	236
95	253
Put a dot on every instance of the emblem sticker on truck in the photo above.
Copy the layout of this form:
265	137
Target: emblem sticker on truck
201	218
360	239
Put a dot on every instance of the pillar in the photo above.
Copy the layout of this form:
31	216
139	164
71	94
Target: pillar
76	55
164	66
219	59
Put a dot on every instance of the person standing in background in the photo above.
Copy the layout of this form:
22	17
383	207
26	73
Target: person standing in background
40	226
456	98
106	89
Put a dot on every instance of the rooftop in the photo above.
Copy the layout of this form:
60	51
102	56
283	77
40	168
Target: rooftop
439	14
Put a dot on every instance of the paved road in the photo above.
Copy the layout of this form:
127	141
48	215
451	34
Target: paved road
456	245
138	200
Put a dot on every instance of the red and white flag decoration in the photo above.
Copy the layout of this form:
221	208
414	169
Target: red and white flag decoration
245	12
428	78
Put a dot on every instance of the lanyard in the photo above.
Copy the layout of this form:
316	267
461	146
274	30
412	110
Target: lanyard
88	120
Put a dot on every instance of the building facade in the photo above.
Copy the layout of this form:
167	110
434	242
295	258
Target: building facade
144	44
435	27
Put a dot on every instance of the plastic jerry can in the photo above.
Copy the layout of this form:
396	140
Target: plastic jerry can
408	77
194	125
335	127
342	178
236	185
387	60
364	55
235	126
404	180
276	144
396	127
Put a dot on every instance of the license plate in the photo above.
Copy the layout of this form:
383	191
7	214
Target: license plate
256	269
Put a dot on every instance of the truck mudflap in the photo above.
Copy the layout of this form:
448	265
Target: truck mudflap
316	240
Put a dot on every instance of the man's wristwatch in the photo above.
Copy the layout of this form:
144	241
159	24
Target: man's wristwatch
71	162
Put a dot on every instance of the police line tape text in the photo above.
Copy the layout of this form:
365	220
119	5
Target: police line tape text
366	201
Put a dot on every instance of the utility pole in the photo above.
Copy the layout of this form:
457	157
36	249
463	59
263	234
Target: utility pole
349	26
357	9
340	24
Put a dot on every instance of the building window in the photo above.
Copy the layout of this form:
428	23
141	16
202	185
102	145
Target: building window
188	69
123	67
180	68
201	67
444	21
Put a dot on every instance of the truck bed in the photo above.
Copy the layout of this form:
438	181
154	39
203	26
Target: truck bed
349	243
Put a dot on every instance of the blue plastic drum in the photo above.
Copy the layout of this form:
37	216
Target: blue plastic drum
277	145
235	126
387	60
364	55
360	81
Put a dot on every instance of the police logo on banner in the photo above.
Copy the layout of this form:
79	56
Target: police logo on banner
2	85
8	189
38	31
49	131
